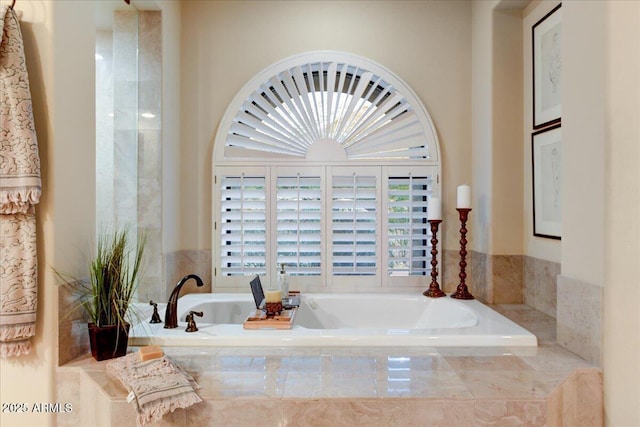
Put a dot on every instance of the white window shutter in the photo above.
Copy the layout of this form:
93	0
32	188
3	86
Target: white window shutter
354	208
242	225
286	192
408	232
299	224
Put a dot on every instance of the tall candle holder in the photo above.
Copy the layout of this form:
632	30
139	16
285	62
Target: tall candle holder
462	292
434	290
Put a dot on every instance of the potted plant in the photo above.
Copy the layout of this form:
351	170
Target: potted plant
106	297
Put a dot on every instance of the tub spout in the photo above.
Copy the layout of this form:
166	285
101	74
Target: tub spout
171	314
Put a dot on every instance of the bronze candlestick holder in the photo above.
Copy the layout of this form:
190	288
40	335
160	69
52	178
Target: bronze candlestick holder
462	292
434	290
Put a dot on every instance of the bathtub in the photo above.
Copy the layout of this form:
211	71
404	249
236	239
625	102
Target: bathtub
339	320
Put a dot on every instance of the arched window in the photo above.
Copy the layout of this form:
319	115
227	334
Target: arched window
324	162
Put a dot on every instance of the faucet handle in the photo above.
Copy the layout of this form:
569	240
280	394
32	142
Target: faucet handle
191	323
155	317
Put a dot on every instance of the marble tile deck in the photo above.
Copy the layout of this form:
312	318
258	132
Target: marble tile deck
364	386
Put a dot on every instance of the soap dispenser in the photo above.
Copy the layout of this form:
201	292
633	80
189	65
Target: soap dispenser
283	281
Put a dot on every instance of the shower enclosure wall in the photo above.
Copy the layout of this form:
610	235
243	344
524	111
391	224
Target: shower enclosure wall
128	133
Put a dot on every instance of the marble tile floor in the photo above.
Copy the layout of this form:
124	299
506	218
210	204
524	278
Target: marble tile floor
362	386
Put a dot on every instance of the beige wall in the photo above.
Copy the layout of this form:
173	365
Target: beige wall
502	221
59	46
583	134
507	171
622	202
171	65
496	127
581	250
224	44
482	124
537	247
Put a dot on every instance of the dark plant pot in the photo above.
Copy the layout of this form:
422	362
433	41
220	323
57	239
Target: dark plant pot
108	342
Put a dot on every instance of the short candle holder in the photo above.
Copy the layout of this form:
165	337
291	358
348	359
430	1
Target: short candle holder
273	308
462	292
434	290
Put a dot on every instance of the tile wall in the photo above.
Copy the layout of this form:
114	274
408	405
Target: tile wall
579	310
149	151
129	133
180	263
540	288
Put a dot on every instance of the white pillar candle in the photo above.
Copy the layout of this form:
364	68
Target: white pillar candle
434	209
464	197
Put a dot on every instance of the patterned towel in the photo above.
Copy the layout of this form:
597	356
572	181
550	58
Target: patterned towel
20	188
20	184
155	387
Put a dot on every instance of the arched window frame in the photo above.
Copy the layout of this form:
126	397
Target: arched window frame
327	163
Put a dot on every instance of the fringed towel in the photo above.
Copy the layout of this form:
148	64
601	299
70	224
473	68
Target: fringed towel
19	191
155	387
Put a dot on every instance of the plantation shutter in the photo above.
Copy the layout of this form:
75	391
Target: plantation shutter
298	131
242	225
299	231
408	231
362	111
354	217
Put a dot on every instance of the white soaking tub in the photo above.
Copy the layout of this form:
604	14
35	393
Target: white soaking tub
340	320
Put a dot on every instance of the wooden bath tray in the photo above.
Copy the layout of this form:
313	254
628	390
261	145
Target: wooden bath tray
259	320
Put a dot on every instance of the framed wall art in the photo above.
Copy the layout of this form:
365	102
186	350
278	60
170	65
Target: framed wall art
546	150
547	85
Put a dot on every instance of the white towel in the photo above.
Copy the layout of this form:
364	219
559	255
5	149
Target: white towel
155	386
20	189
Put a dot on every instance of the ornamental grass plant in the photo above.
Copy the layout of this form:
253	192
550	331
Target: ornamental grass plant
114	275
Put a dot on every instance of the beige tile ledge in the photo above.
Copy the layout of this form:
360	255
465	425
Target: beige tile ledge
334	386
327	386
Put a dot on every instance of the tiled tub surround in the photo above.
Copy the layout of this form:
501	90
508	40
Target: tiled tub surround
180	263
540	284
580	318
496	279
369	386
538	289
505	279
